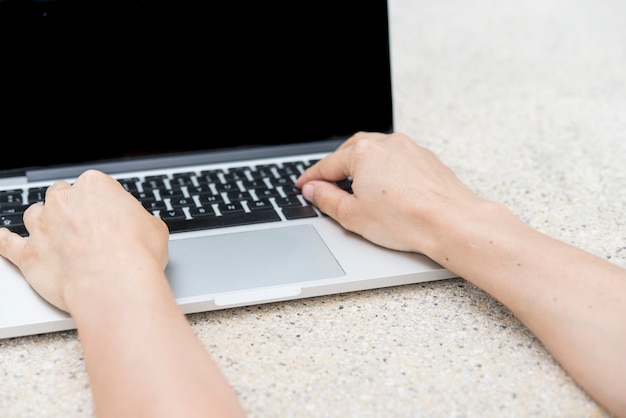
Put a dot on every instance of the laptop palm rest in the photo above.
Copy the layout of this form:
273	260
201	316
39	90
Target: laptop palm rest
296	254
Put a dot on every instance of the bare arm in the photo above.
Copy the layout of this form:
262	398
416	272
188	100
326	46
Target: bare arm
573	301
96	253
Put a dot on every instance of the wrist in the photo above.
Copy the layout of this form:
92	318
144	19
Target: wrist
457	234
111	291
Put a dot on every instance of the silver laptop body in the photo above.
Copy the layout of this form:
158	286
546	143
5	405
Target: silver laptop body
174	92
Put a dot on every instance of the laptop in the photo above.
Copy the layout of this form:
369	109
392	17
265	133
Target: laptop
209	111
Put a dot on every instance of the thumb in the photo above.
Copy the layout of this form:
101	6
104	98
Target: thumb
11	245
328	197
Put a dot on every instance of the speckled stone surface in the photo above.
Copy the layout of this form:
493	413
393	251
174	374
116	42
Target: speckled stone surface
526	101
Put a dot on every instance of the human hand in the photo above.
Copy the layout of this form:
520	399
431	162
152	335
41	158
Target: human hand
403	197
83	236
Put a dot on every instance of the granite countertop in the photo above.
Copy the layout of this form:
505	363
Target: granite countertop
526	101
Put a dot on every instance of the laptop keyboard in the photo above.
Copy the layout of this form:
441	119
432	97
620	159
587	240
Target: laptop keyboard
189	201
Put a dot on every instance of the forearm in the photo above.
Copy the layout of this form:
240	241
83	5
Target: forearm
573	301
143	358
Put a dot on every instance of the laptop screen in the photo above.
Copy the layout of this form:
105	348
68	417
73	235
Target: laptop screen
91	80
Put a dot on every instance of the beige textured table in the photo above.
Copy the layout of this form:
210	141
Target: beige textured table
526	101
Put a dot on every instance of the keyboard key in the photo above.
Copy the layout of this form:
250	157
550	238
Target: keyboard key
345	184
232	207
259	204
237	196
235	219
19	229
129	184
11	221
299	212
288	201
209	198
201	211
11	197
172	214
37	194
12	208
179	202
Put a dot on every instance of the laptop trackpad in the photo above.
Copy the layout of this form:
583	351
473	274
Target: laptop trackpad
249	260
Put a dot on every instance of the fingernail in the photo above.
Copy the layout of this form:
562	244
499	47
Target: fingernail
307	191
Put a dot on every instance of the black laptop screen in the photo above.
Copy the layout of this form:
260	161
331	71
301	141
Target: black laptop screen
99	80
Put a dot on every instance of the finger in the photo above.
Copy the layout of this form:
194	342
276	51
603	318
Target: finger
333	167
56	190
330	199
58	185
93	177
31	214
360	136
337	165
11	245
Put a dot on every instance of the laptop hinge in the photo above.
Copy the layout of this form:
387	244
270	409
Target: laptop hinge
180	160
